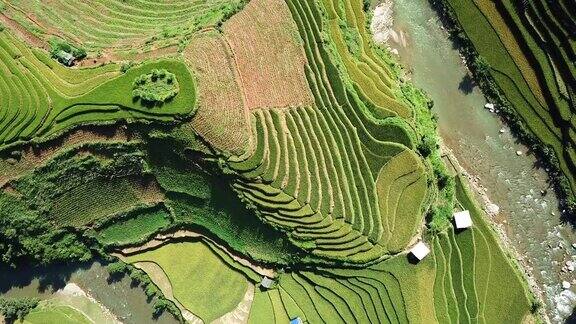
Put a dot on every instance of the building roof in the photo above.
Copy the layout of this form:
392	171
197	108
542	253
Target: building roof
65	57
462	219
296	320
266	282
420	250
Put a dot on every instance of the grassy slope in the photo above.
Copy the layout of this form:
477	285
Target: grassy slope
134	227
60	314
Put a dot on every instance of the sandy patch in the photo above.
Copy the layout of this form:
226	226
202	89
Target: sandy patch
382	22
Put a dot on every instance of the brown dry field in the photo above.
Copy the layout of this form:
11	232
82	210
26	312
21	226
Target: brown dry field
222	118
269	57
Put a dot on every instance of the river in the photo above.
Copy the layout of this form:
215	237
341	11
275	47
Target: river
485	148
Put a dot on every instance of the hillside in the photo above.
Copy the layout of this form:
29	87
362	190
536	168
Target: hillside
257	138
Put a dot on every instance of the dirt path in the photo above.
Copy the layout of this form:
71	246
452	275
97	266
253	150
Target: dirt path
162	239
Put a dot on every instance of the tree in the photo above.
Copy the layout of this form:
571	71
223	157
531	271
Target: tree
17	308
117	268
482	66
427	145
160	306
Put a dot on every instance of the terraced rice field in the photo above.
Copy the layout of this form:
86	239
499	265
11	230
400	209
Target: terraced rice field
40	98
271	68
116	24
332	175
467	279
371	76
195	271
530	49
293	147
222	118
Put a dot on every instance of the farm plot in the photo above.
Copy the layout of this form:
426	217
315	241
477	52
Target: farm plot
100	198
467	278
222	118
372	77
199	277
40	98
117	24
313	170
268	55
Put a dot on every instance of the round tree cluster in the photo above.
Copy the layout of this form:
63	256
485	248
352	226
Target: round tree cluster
156	87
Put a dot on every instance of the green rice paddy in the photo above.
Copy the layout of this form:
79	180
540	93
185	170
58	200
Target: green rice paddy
195	272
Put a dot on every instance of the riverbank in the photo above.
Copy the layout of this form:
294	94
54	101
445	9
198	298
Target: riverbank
486	149
79	299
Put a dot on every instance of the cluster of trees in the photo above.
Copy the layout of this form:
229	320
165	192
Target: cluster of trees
17	308
26	238
156	87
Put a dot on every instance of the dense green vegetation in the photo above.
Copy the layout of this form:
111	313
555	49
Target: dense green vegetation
134	226
156	87
522	52
16	308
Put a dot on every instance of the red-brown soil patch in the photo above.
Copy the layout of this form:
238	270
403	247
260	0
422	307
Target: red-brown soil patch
269	56
221	118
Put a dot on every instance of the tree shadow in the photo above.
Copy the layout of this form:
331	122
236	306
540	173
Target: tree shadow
50	278
467	84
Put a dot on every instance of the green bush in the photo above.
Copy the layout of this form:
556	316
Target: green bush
156	87
117	268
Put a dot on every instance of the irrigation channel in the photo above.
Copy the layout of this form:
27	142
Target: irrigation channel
125	302
503	170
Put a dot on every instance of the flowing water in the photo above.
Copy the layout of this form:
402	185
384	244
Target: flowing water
127	302
485	148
